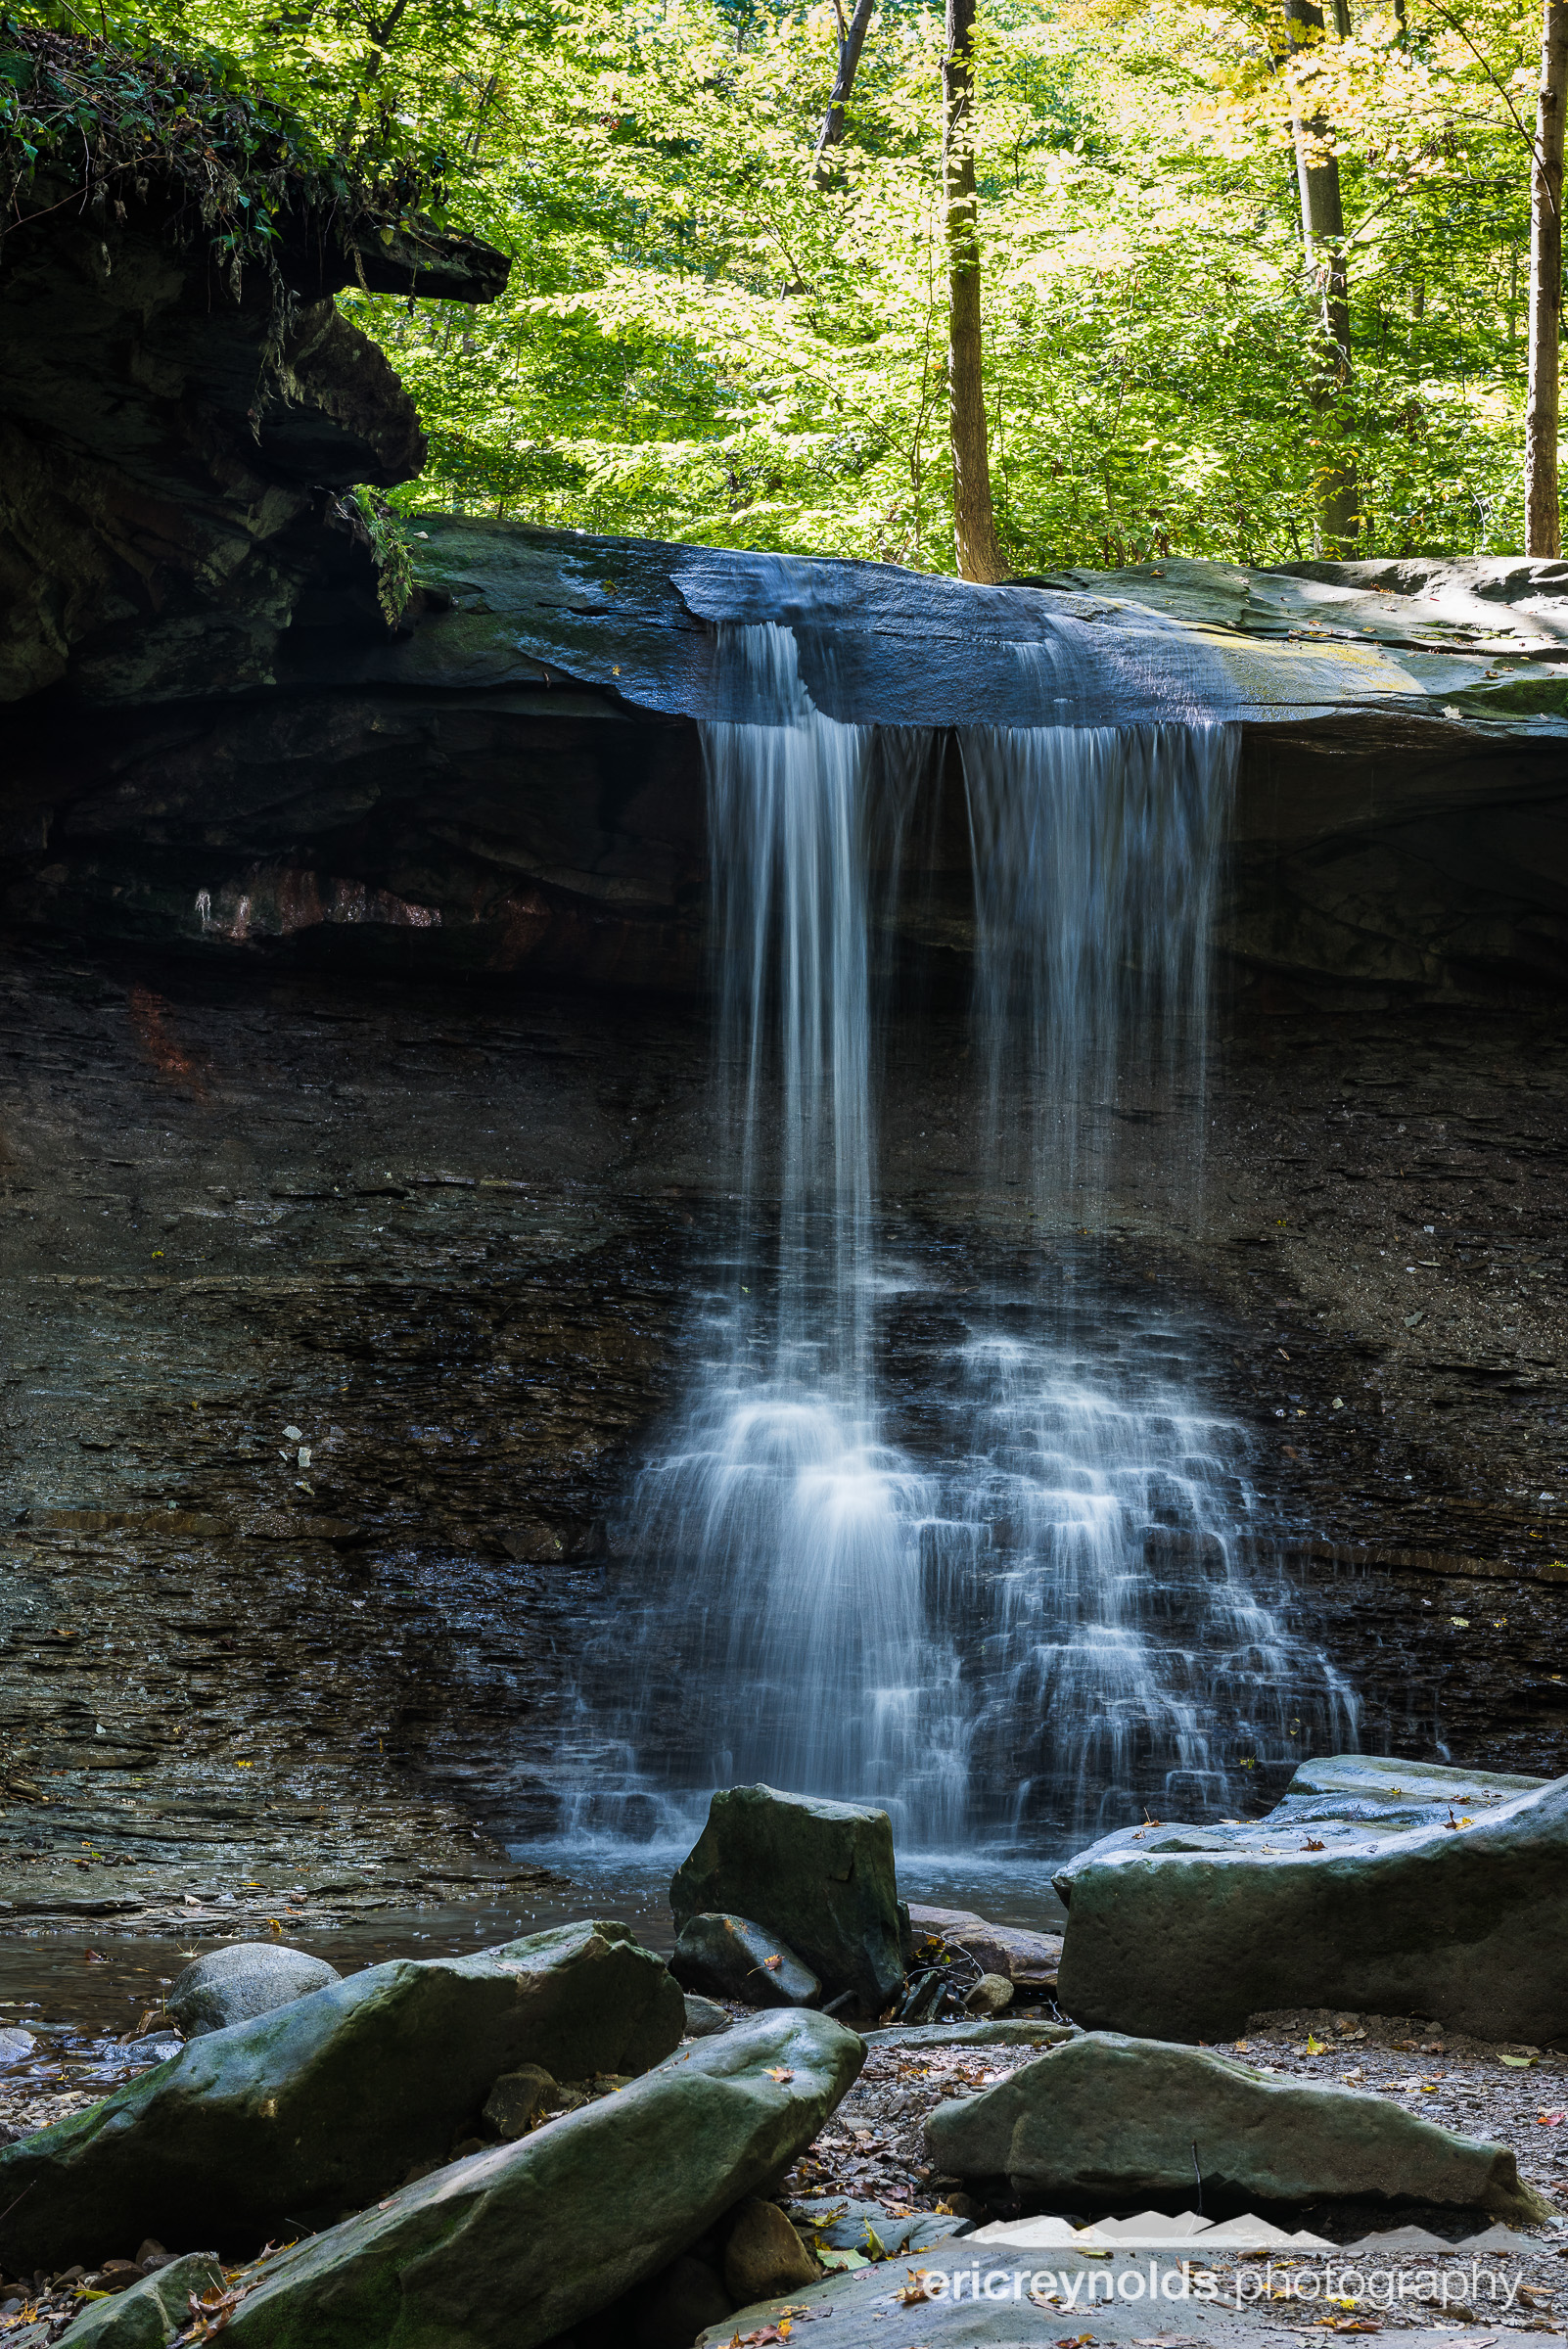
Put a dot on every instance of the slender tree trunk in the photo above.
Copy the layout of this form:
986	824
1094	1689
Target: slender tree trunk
1543	517
974	521
851	40
1323	228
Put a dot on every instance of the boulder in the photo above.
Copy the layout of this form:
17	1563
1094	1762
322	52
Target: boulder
516	2099
325	2103
147	2313
738	1959
1106	2119
1029	1961
703	2018
14	2047
818	1873
510	2247
988	1996
764	2255
249	1978
1183	1932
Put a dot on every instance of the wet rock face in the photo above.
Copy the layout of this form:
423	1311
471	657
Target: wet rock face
238	1685
452	1237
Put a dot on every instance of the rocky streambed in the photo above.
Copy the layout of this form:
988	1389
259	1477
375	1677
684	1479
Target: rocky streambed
549	2142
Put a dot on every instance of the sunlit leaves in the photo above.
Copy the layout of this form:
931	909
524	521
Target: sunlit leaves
699	342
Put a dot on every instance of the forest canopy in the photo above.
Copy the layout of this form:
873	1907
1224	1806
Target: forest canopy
712	333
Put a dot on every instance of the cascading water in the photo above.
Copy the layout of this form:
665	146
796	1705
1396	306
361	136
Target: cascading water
1059	1613
794	1521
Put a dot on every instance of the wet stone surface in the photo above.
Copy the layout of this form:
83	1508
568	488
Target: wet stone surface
445	1244
322	1358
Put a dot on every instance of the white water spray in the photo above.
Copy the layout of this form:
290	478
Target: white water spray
1043	1614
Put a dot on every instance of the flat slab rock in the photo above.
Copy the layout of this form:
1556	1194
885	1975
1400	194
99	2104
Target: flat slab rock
842	2223
994	2032
893	647
1368	1887
1350	1802
1029	1961
1112	2120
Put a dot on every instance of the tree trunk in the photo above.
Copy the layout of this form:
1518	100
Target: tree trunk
1323	228
1542	518
974	523
851	43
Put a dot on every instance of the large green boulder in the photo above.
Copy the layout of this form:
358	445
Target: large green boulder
818	1874
299	2115
1111	2120
1181	1933
509	2248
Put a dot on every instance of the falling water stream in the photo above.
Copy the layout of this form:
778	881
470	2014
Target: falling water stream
1042	1601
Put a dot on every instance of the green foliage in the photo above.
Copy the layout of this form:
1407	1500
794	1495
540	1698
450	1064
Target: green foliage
111	117
699	343
395	559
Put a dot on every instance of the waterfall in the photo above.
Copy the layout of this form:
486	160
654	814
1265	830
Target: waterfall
1039	1600
794	1525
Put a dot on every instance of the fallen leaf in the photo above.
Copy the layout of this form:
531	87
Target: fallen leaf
1517	2063
773	1964
1551	2120
914	2290
780	2073
1311	1846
